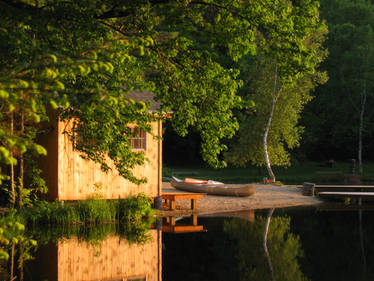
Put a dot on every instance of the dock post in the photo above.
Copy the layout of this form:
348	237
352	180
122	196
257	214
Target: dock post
308	189
158	203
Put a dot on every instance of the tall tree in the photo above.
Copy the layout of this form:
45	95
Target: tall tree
269	130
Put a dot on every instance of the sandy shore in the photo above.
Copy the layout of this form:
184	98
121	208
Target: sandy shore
266	196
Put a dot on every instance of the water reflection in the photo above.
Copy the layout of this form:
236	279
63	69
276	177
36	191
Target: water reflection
284	244
181	224
113	258
266	248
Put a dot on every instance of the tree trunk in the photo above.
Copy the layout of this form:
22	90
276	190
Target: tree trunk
21	262
361	128
267	225
12	261
12	184
21	165
267	128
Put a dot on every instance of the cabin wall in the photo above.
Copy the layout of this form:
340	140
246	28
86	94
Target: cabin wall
70	177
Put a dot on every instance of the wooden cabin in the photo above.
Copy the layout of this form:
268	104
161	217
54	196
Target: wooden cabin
114	259
70	177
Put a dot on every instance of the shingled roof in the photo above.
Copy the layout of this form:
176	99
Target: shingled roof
145	96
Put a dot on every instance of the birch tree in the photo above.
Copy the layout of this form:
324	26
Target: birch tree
269	130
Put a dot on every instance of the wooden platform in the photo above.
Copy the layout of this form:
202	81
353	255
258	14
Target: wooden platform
171	197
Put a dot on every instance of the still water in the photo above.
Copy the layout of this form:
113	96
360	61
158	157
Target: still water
315	243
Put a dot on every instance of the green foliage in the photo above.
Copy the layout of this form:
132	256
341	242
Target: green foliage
83	57
133	208
135	217
272	95
12	232
285	133
50	213
95	211
132	217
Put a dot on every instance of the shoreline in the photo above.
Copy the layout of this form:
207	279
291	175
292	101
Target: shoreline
266	196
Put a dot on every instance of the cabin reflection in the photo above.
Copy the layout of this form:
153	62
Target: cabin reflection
110	259
113	259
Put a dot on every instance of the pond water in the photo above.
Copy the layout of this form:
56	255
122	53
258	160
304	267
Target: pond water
315	243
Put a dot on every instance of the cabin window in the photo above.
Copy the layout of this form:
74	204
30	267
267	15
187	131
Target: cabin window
138	141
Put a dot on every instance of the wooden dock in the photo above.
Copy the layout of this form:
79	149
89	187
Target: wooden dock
338	191
343	187
336	194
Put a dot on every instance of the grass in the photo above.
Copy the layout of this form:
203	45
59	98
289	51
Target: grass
91	220
94	211
94	219
311	171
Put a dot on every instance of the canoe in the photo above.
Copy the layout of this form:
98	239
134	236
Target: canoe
213	188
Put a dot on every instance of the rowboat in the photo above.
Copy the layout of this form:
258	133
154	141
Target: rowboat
212	187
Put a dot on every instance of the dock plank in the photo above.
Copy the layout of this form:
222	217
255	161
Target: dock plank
346	194
344	186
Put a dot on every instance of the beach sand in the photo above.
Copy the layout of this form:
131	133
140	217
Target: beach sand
266	196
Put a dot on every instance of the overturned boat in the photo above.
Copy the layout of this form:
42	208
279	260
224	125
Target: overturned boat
212	187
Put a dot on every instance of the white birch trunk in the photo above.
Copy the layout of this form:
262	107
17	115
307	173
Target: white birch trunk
267	128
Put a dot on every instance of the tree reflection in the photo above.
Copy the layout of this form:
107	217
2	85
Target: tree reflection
362	243
282	249
267	224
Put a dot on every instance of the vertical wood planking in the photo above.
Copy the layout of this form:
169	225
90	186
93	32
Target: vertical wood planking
76	177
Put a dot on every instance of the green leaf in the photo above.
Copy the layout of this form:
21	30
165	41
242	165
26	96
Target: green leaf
4	94
40	149
53	104
53	57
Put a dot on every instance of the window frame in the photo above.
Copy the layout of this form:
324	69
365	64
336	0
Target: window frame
139	141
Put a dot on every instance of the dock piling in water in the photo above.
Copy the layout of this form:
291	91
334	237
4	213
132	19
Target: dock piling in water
308	189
